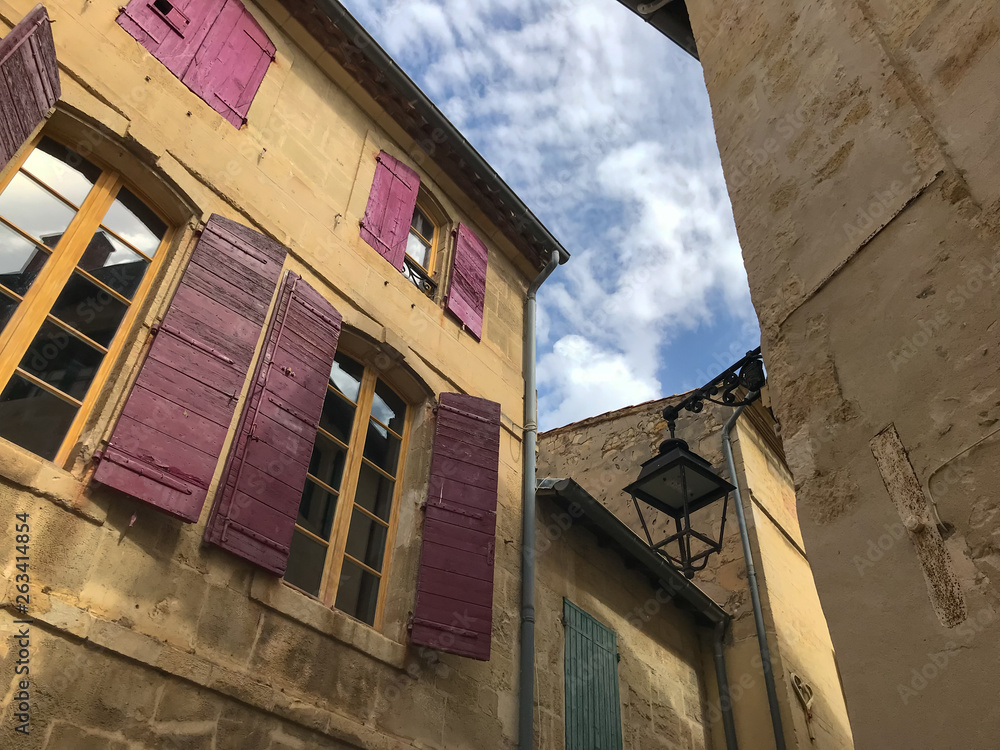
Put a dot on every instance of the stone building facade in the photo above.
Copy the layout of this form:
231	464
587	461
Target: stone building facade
860	146
603	453
228	195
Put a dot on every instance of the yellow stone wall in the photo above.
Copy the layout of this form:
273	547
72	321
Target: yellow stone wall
144	638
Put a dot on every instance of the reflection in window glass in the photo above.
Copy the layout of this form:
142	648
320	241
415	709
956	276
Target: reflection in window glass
374	492
34	210
382	447
305	563
114	263
65	172
345	376
357	594
87	308
388	408
135	223
62	360
337	417
20	261
33	418
317	509
7	307
366	540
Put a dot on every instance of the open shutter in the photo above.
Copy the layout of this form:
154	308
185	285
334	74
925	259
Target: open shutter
166	444
467	288
390	208
228	68
29	80
454	607
171	30
593	706
258	501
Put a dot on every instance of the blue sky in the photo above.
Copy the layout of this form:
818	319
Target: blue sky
603	128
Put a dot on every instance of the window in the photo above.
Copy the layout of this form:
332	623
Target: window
76	252
421	249
215	47
346	520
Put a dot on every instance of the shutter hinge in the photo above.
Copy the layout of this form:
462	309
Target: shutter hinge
470	415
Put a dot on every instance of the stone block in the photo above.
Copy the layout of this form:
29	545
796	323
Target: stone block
228	624
65	736
180	701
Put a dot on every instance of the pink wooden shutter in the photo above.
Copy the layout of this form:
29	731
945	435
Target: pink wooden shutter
454	607
254	515
29	80
171	30
467	288
229	66
390	208
166	444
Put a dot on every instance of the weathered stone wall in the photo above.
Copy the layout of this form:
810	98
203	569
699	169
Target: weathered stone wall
661	673
142	636
603	455
861	149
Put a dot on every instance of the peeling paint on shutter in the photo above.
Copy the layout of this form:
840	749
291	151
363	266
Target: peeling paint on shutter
454	606
258	501
29	80
467	289
229	67
390	208
593	706
166	444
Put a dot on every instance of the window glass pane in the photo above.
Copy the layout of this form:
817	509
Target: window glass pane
417	249
114	263
388	408
34	210
305	563
20	260
422	224
317	509
337	417
62	360
89	309
33	418
134	222
64	171
7	307
366	540
327	462
357	594
374	492
382	447
345	376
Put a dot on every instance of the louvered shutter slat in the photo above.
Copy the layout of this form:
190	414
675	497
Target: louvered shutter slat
261	487
166	444
454	605
29	80
391	202
466	298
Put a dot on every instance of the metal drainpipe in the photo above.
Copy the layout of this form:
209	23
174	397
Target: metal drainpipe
722	678
758	615
526	673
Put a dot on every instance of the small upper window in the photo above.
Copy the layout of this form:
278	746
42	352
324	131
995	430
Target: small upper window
215	47
421	250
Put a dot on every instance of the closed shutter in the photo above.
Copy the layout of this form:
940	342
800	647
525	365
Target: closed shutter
467	289
29	80
166	444
228	68
593	707
171	30
258	501
454	606
390	208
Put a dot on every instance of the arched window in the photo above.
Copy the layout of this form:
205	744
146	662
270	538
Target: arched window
347	516
78	250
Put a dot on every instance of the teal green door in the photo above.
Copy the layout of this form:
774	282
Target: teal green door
593	708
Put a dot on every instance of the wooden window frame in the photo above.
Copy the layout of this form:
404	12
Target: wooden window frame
336	546
429	208
34	307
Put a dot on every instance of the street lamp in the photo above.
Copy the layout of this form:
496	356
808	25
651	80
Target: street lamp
679	482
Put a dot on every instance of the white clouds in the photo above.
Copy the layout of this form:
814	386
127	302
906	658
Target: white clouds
603	128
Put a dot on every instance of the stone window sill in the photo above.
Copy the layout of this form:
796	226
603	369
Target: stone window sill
43	478
273	593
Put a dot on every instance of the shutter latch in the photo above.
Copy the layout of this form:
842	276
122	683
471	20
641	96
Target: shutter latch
288	371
